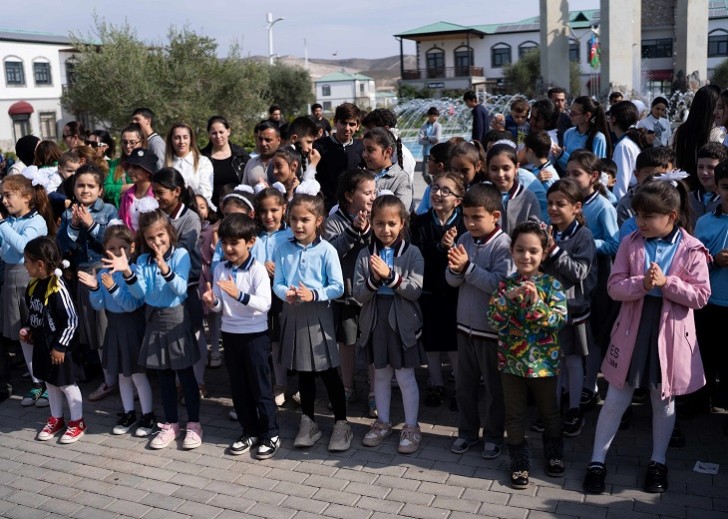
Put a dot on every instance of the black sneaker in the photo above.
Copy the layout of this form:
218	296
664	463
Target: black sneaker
243	445
656	478
596	473
677	438
573	422
125	422
145	425
555	468
267	448
435	395
589	400
538	426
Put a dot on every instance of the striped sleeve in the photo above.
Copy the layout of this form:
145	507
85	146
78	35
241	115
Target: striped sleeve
65	318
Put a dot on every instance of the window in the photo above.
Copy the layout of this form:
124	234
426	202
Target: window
14	73
42	73
327	106
500	55
661	48
718	45
362	88
463	61
526	47
70	71
48	125
574	51
326	90
21	125
435	59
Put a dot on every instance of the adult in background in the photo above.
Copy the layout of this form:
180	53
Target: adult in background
144	117
267	141
481	116
25	151
275	114
103	143
697	130
557	95
184	156
117	181
317	115
74	134
228	159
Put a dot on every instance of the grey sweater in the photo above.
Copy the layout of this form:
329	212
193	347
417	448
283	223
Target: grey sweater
187	224
522	206
405	315
490	262
348	242
398	182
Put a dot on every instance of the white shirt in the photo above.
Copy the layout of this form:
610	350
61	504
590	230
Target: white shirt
199	180
625	157
248	313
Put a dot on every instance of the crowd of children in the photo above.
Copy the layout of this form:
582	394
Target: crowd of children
317	260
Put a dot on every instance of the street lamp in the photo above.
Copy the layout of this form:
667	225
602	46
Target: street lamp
271	23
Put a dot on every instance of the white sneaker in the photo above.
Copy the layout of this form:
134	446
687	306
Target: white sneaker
308	433
279	395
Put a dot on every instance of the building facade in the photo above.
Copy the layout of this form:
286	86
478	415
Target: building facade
343	87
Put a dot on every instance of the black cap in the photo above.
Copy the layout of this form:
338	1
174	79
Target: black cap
143	158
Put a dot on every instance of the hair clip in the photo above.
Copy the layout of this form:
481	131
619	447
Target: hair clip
506	141
604	178
308	187
280	187
260	186
384	192
115	221
148	205
245	188
673	176
58	272
35	176
239	196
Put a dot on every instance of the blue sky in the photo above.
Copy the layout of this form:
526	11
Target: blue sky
353	29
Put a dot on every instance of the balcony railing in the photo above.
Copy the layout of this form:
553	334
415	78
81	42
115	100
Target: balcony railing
442	73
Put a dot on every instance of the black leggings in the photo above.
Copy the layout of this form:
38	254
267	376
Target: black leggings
168	390
334	387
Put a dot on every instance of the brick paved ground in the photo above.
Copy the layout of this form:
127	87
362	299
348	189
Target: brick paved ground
118	476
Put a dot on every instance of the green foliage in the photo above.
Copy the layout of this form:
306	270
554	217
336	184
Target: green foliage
183	79
523	76
720	74
405	91
290	88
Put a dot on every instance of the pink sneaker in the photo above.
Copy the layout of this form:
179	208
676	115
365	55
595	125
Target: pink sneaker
193	436
52	427
76	430
168	432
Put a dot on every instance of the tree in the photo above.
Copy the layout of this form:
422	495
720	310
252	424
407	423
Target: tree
182	80
524	76
290	87
720	74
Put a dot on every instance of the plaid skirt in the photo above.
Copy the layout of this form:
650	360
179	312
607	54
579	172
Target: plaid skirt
123	341
308	337
168	340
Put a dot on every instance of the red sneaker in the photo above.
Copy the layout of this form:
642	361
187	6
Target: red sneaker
52	427
76	430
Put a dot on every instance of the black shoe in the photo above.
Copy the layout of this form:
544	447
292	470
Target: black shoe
677	439
589	400
555	468
596	473
125	422
573	422
519	479
4	395
243	445
625	420
656	478
538	426
268	448
435	395
454	404
146	425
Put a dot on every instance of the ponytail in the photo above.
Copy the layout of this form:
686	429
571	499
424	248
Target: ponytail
40	202
400	159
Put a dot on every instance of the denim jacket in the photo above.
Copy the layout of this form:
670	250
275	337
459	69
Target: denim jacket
84	246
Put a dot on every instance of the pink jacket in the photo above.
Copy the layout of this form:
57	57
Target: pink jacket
125	203
687	288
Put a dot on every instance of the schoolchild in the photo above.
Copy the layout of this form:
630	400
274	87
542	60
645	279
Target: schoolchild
434	234
81	241
159	276
656	123
28	216
388	283
240	290
141	164
379	145
349	231
286	163
571	259
429	135
706	199
537	147
206	245
660	275
479	262
468	160
51	329
528	309
630	142
302	133
124	333
307	278
438	162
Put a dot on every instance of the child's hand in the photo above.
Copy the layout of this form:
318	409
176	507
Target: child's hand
159	258
107	280
75	216
57	357
291	295
314	157
88	279
457	258
448	239
270	266
361	221
530	293
658	277
86	218
721	259
229	287
118	263
26	335
379	267
544	175
304	295
208	297
556	150
550	244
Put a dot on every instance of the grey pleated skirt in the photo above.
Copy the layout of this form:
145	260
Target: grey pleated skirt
123	341
92	323
15	312
168	340
574	339
385	346
644	367
308	337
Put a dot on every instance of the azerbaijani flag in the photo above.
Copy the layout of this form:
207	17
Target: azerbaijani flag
595	52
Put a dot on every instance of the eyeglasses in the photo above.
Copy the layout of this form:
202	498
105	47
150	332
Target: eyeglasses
129	143
576	114
444	191
95	144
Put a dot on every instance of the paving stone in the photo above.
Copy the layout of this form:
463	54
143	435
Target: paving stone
335	496
424	512
60	507
129	508
346	512
271	511
582	510
380	505
409	496
25	498
324	482
313	506
24	512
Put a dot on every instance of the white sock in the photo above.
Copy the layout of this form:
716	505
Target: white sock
434	368
74	399
383	392
144	389
28	356
126	390
663	421
616	403
55	400
410	394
